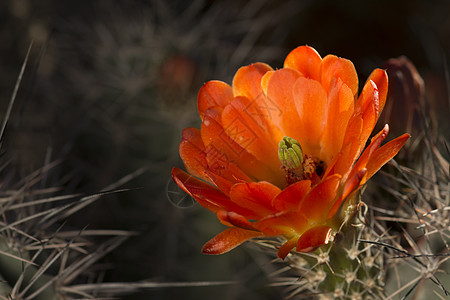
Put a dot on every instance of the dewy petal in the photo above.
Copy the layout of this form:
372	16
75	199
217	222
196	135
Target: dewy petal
313	238
255	196
311	103
278	89
305	60
340	110
384	154
318	201
213	94
291	196
247	80
228	239
334	67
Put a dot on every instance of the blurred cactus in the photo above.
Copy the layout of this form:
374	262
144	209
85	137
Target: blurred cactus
39	258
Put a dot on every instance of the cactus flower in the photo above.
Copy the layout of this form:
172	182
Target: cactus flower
281	152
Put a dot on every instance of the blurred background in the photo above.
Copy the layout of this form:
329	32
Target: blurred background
110	85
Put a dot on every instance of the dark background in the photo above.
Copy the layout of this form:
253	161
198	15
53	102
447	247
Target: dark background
110	85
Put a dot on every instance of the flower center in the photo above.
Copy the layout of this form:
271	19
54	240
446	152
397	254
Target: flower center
295	164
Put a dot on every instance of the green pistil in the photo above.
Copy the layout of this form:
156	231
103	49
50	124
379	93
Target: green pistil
290	153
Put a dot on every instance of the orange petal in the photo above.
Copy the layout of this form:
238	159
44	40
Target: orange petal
311	103
206	195
380	78
214	135
233	219
192	152
213	93
340	110
334	67
313	238
375	143
247	80
250	132
369	94
318	201
222	182
290	197
256	197
265	81
286	223
384	154
228	240
222	171
278	89
287	247
370	117
343	161
353	184
306	60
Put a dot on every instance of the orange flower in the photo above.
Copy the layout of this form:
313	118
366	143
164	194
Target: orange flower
244	166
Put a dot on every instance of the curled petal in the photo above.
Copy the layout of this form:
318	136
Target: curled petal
368	95
265	81
334	67
233	219
370	117
287	247
228	240
313	238
306	60
213	94
380	78
247	80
